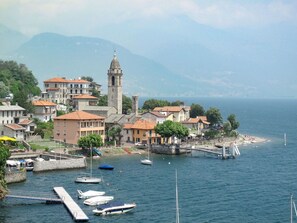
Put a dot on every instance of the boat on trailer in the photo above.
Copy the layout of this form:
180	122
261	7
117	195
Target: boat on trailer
89	194
114	208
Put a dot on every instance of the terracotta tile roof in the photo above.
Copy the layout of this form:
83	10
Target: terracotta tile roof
84	96
56	80
128	126
202	119
43	103
15	127
143	124
26	122
62	80
79	115
168	109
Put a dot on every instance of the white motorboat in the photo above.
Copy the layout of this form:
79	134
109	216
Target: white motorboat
114	208
89	194
98	200
29	164
88	180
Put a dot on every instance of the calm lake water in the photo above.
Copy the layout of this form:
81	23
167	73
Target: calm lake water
255	187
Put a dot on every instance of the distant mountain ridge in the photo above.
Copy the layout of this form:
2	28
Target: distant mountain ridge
50	55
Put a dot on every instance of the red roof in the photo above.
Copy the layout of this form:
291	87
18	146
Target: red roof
43	103
168	109
79	115
84	96
26	122
62	80
15	127
143	124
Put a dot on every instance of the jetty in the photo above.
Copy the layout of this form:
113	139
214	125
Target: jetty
222	153
43	199
76	212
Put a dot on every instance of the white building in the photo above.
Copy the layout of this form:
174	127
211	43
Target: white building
44	110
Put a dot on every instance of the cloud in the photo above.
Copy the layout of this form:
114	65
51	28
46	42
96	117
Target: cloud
85	16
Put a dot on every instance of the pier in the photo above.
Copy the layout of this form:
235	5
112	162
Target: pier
223	153
43	199
76	212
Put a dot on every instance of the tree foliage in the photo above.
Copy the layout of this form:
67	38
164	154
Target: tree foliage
103	100
89	141
177	103
114	134
214	116
196	110
20	82
127	105
169	128
153	103
4	154
234	123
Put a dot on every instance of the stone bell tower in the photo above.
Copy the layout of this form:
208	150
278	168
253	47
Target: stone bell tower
115	92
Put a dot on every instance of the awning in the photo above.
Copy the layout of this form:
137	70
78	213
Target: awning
6	138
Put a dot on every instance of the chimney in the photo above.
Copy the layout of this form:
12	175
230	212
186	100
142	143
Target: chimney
135	105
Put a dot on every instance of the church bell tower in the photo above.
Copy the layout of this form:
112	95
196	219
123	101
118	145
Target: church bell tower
115	92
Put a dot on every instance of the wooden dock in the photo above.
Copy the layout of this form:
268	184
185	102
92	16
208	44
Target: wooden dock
76	212
47	200
223	153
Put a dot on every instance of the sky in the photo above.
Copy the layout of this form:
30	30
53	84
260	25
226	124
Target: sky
86	17
249	39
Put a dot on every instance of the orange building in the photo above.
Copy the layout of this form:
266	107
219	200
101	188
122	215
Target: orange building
143	131
70	127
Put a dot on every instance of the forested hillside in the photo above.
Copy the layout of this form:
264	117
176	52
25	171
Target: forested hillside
17	79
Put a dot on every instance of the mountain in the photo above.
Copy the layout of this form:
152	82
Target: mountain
50	55
10	40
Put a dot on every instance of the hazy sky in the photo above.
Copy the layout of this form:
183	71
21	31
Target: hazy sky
242	44
86	17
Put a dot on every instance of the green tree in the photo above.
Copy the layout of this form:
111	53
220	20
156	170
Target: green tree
89	141
153	103
4	154
103	100
214	116
196	110
177	103
169	129
127	105
227	128
234	123
4	90
114	133
87	78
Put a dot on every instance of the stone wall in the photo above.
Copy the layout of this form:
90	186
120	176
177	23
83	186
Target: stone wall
59	164
15	176
168	149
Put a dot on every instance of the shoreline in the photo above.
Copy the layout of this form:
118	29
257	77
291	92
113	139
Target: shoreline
131	149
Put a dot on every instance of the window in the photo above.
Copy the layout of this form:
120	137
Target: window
137	131
112	80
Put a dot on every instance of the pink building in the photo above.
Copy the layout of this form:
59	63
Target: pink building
70	127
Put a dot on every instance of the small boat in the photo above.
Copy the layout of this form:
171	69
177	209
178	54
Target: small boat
88	180
89	194
29	165
147	161
106	167
93	201
114	208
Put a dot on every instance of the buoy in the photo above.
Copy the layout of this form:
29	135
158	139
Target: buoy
169	163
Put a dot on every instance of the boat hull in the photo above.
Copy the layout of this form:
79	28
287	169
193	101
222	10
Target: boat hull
98	200
115	209
146	162
88	180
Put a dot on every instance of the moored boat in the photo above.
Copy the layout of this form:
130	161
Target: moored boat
98	200
89	194
88	180
114	208
106	167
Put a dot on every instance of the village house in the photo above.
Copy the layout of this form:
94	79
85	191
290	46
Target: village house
70	127
196	125
83	102
61	91
44	110
142	131
180	113
15	131
157	117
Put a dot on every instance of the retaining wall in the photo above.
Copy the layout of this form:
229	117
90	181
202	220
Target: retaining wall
15	176
62	164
